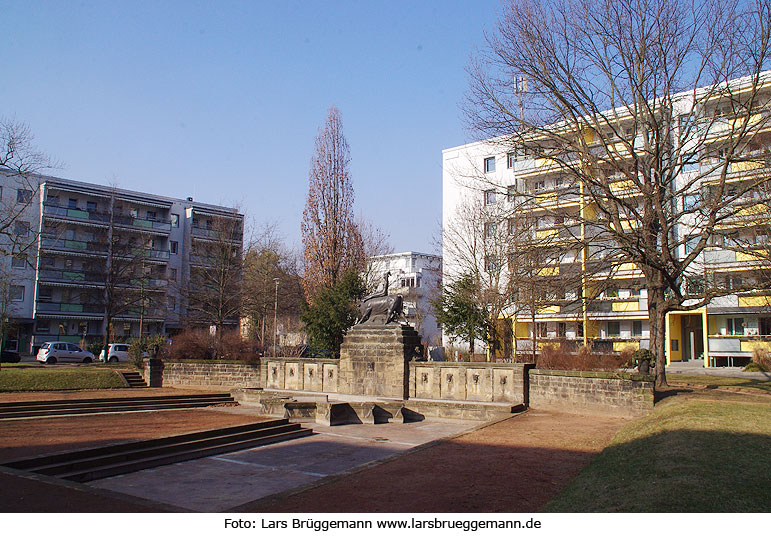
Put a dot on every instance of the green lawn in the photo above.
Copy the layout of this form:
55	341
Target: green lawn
688	455
14	377
720	381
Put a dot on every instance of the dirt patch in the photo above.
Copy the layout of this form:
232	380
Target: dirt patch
26	396
516	465
30	437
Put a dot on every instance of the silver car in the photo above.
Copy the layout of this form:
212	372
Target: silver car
55	352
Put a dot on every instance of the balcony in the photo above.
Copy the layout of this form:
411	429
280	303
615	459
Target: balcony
68	308
75	214
70	276
216	235
162	226
80	246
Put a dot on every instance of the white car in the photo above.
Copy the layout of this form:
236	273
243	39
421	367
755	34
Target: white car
116	352
56	352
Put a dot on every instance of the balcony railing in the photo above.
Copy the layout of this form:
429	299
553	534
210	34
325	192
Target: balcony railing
50	307
58	212
92	247
213	234
159	225
72	276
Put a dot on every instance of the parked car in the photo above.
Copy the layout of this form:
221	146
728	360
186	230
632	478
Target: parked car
55	352
116	352
10	357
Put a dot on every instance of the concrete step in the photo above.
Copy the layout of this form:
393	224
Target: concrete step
91	464
133	379
90	406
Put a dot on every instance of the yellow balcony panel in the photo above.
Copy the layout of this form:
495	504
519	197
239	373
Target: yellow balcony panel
549	309
543	234
751	346
588	135
549	271
761	254
753	164
755	209
754	301
625	306
544	162
546	197
621	346
623	185
627	266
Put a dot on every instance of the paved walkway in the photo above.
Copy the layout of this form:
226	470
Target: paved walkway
697	367
221	482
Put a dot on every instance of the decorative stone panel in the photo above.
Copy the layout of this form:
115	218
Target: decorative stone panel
292	376
478	385
313	377
424	382
451	384
329	384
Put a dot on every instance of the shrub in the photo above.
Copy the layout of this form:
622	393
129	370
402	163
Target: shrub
559	357
643	354
200	344
95	348
754	367
762	358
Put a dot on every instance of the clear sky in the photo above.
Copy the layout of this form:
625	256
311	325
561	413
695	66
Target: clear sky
221	100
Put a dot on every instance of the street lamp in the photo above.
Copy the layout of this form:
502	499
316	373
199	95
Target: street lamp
275	312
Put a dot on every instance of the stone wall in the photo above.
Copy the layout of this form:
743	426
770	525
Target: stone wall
302	374
208	373
600	392
462	381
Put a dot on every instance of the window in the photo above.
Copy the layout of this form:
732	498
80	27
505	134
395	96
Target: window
490	230
18	261
511	192
511	158
614	329
43	326
691	201
172	304
72	203
21	228
91	206
44	293
17	292
561	329
735	326
173	274
24	196
490	164
52	200
580	329
732	282
151	215
133	212
175	220
173	247
636	328
127	328
542	329
490	197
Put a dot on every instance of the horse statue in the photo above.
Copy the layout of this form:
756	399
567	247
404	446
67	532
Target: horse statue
380	308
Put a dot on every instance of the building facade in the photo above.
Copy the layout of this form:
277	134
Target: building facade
418	278
524	192
83	257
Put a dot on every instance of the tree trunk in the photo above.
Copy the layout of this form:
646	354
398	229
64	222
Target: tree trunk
657	315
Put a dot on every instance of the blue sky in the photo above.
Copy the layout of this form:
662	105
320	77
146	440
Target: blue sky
222	100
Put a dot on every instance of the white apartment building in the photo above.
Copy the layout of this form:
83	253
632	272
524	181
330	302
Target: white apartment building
610	309
418	278
67	232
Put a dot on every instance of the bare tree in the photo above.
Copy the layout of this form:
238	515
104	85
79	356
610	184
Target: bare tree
271	281
332	241
214	293
650	109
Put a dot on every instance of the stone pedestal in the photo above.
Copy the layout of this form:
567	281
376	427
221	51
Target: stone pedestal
374	360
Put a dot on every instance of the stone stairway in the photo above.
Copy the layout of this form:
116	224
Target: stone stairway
97	463
133	379
33	409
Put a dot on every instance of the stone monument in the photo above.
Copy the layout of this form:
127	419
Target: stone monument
376	351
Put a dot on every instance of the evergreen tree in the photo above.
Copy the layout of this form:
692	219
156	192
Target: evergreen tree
459	312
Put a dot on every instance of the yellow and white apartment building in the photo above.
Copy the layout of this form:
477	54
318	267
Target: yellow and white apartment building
609	310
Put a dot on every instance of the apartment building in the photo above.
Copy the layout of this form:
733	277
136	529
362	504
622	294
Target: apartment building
90	254
418	278
589	294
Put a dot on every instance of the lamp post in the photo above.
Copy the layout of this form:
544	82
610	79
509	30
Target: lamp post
275	317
